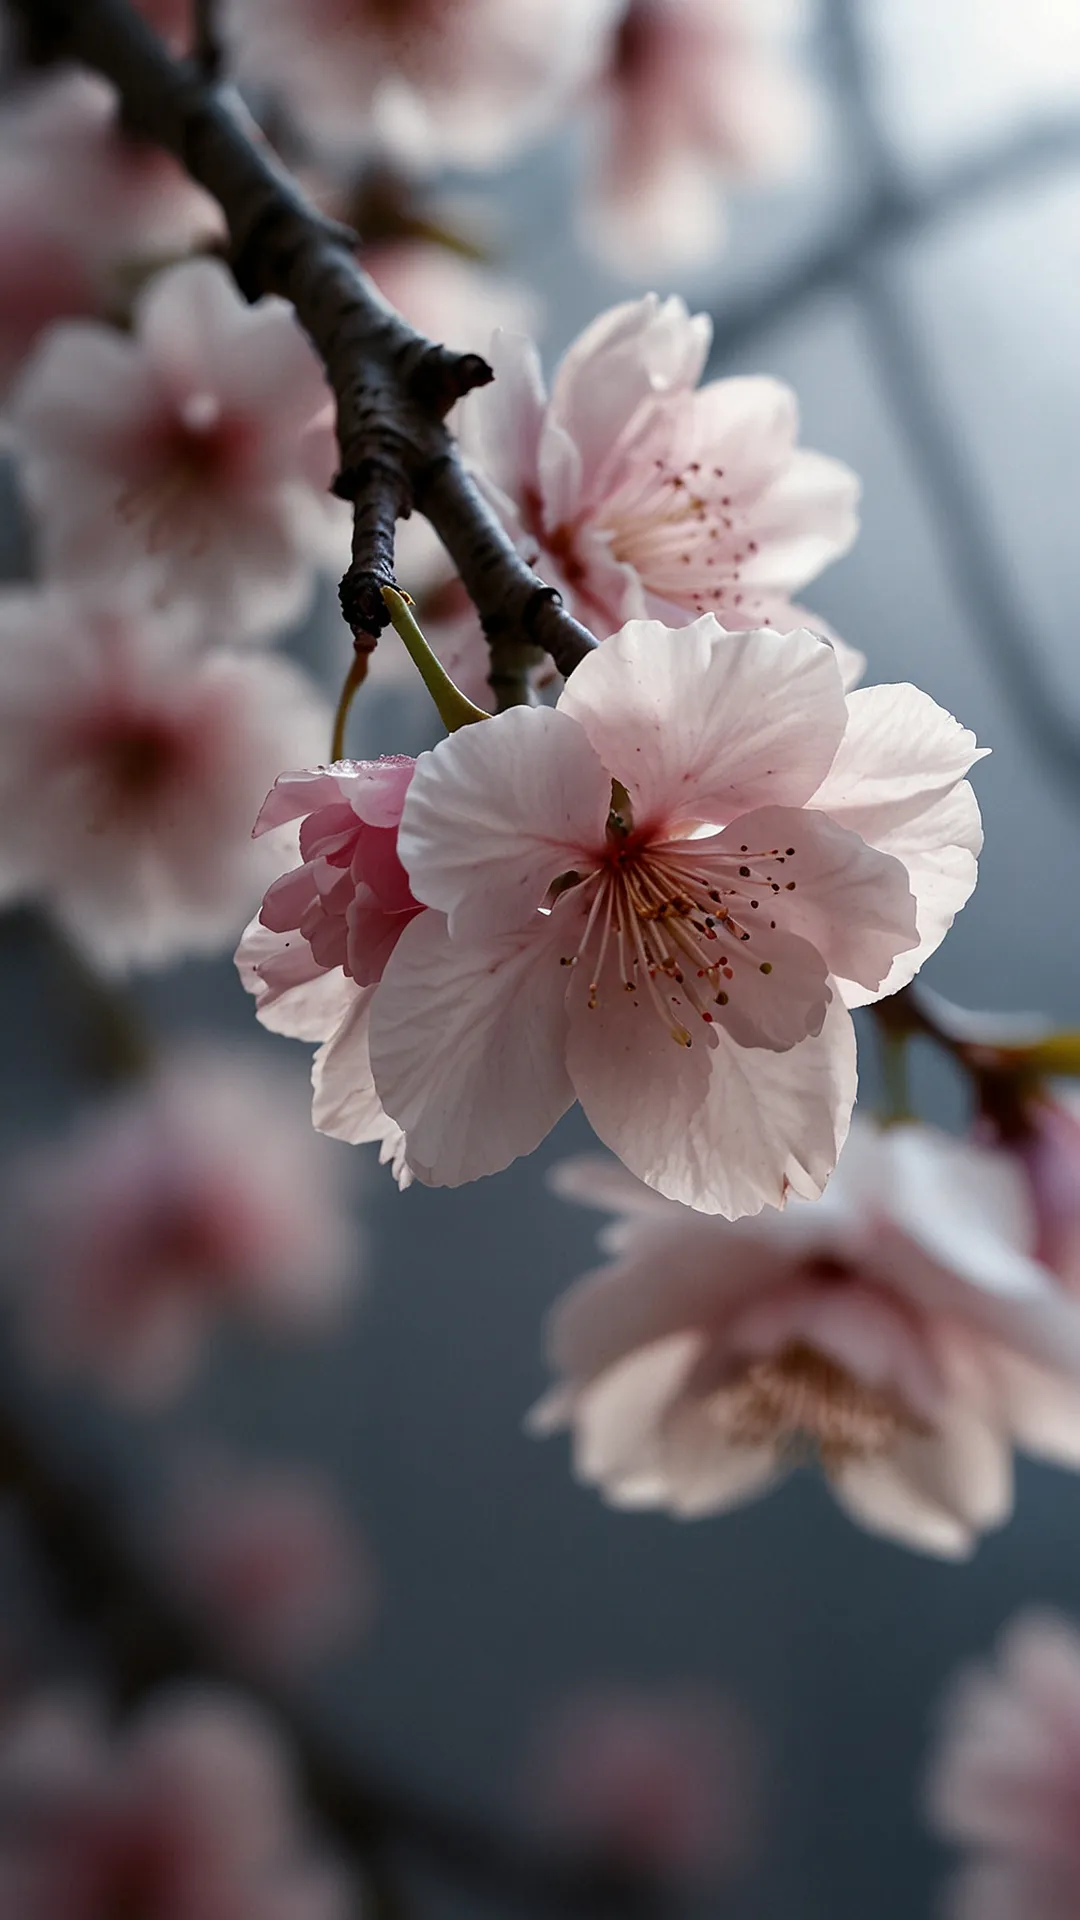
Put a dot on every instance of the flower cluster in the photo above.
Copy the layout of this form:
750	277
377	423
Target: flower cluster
658	898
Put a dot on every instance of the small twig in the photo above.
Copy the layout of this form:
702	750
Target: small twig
393	387
208	49
354	680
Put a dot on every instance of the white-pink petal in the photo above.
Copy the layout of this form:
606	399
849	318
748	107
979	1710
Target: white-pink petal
497	812
701	725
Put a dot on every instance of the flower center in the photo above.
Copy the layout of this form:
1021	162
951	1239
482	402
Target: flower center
681	925
800	1395
198	450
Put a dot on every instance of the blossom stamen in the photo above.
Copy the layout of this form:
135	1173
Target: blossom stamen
801	1395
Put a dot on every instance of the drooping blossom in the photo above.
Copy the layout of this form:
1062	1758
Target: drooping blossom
658	1785
326	930
638	493
900	1329
270	1559
1003	1779
198	1196
198	450
657	898
696	93
132	767
83	210
189	1813
460	82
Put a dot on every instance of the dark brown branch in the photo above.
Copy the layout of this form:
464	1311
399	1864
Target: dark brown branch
99	1581
393	387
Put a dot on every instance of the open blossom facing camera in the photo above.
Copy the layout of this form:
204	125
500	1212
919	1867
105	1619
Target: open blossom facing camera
458	82
199	1196
657	898
900	1328
695	92
270	1560
199	449
131	768
1003	1782
638	493
189	1814
327	929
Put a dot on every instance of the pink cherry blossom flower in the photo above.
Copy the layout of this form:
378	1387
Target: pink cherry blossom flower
326	930
460	82
899	1328
200	1195
696	92
639	494
655	1784
199	449
1003	1780
657	898
270	1559
189	1814
82	208
131	769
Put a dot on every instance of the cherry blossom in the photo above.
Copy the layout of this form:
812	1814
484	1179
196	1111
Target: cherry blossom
270	1559
199	1195
82	209
899	1328
696	92
131	768
199	449
447	81
189	1814
638	493
1003	1779
326	930
657	1784
657	898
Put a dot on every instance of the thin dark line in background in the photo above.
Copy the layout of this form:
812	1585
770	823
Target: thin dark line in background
857	260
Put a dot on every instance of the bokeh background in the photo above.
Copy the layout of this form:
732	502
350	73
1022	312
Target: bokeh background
919	286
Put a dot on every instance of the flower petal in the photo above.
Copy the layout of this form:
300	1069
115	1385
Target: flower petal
703	725
851	901
293	994
616	1418
936	1493
632	351
497	812
726	1130
703	1471
898	781
467	1046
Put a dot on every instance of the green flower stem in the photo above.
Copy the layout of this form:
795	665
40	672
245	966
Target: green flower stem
453	708
354	679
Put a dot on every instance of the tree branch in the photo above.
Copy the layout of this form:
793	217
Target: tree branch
393	387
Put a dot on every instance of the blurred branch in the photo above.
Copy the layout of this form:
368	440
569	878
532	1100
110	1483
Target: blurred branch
393	387
207	50
147	1640
858	261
